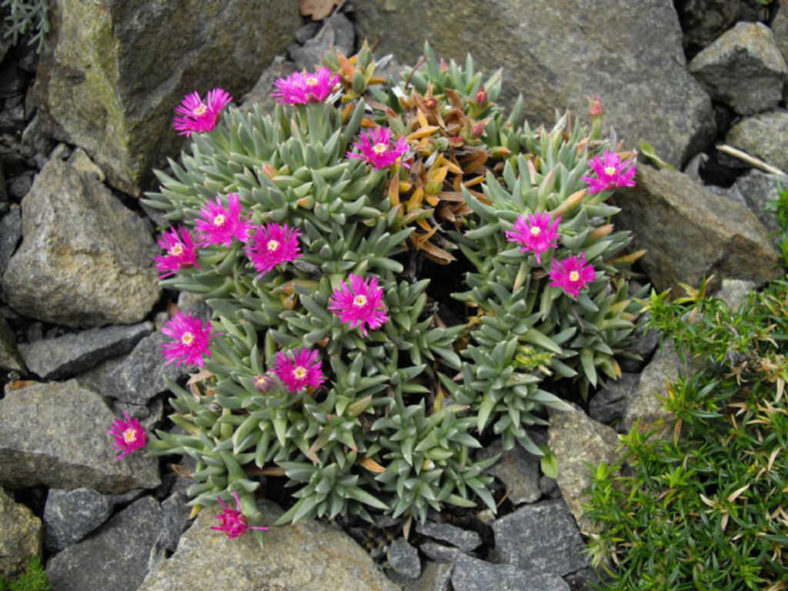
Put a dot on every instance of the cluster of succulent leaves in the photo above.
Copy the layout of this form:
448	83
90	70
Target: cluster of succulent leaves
395	425
27	17
779	207
34	578
703	507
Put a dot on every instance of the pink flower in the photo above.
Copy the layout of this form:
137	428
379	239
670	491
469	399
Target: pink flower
198	116
376	149
299	371
129	435
231	521
535	235
181	252
273	245
360	303
301	88
571	274
191	340
610	173
218	224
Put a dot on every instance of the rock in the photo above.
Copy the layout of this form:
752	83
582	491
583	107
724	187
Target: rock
463	539
175	518
68	355
577	441
55	434
436	577
80	160
336	34
439	552
404	559
757	189
645	340
735	292
10	360
607	405
780	31
743	68
20	535
764	136
112	86
517	469
20	185
70	515
10	233
704	238
702	21
542	537
305	32
307	556
548	486
85	260
116	557
261	93
643	81
472	574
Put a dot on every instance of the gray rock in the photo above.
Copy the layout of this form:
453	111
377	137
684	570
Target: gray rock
646	90
336	34
149	415
542	537
645	340
548	486
175	519
436	577
10	233
80	160
20	535
85	260
517	469
758	189
261	93
54	434
780	31
704	238
10	359
764	136
702	21
577	441
607	405
734	292
404	559
306	32
68	355
112	87
472	574
20	185
439	552
743	68
116	557
70	515
307	556
463	539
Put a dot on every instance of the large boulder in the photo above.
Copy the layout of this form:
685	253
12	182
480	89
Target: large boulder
558	52
20	535
85	259
69	515
118	68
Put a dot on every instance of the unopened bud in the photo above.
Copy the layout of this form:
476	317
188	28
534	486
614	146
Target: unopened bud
477	130
595	106
481	96
263	383
431	103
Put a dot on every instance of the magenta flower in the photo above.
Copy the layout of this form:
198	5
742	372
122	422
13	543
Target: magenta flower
571	274
198	116
299	371
376	149
535	235
300	88
190	342
360	303
218	224
611	173
181	252
129	435
231	521
273	245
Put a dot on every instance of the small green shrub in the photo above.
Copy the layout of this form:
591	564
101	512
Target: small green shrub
780	208
27	17
33	579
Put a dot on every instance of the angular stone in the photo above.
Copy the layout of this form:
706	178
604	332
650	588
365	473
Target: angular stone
758	189
702	21
463	539
175	519
703	238
439	552
116	557
55	434
10	359
517	469
436	577
780	31
542	537
10	233
307	556
112	86
404	559
68	355
743	68
85	260
336	34
70	515
577	441
564	56
607	405
735	292
764	136
645	340
472	574
261	93
20	535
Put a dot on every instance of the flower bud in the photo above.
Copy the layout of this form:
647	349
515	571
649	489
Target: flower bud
481	96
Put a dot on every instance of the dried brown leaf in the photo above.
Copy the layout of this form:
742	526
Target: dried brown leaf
318	9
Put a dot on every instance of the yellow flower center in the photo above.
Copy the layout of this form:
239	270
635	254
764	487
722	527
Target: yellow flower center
130	435
610	170
379	148
219	220
299	373
187	338
199	111
574	276
311	81
360	301
176	250
273	245
535	231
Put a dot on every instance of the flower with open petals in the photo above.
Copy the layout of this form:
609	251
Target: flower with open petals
537	234
571	274
129	435
198	116
300	88
359	303
299	370
272	245
190	340
375	148
231	521
610	172
218	224
181	252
